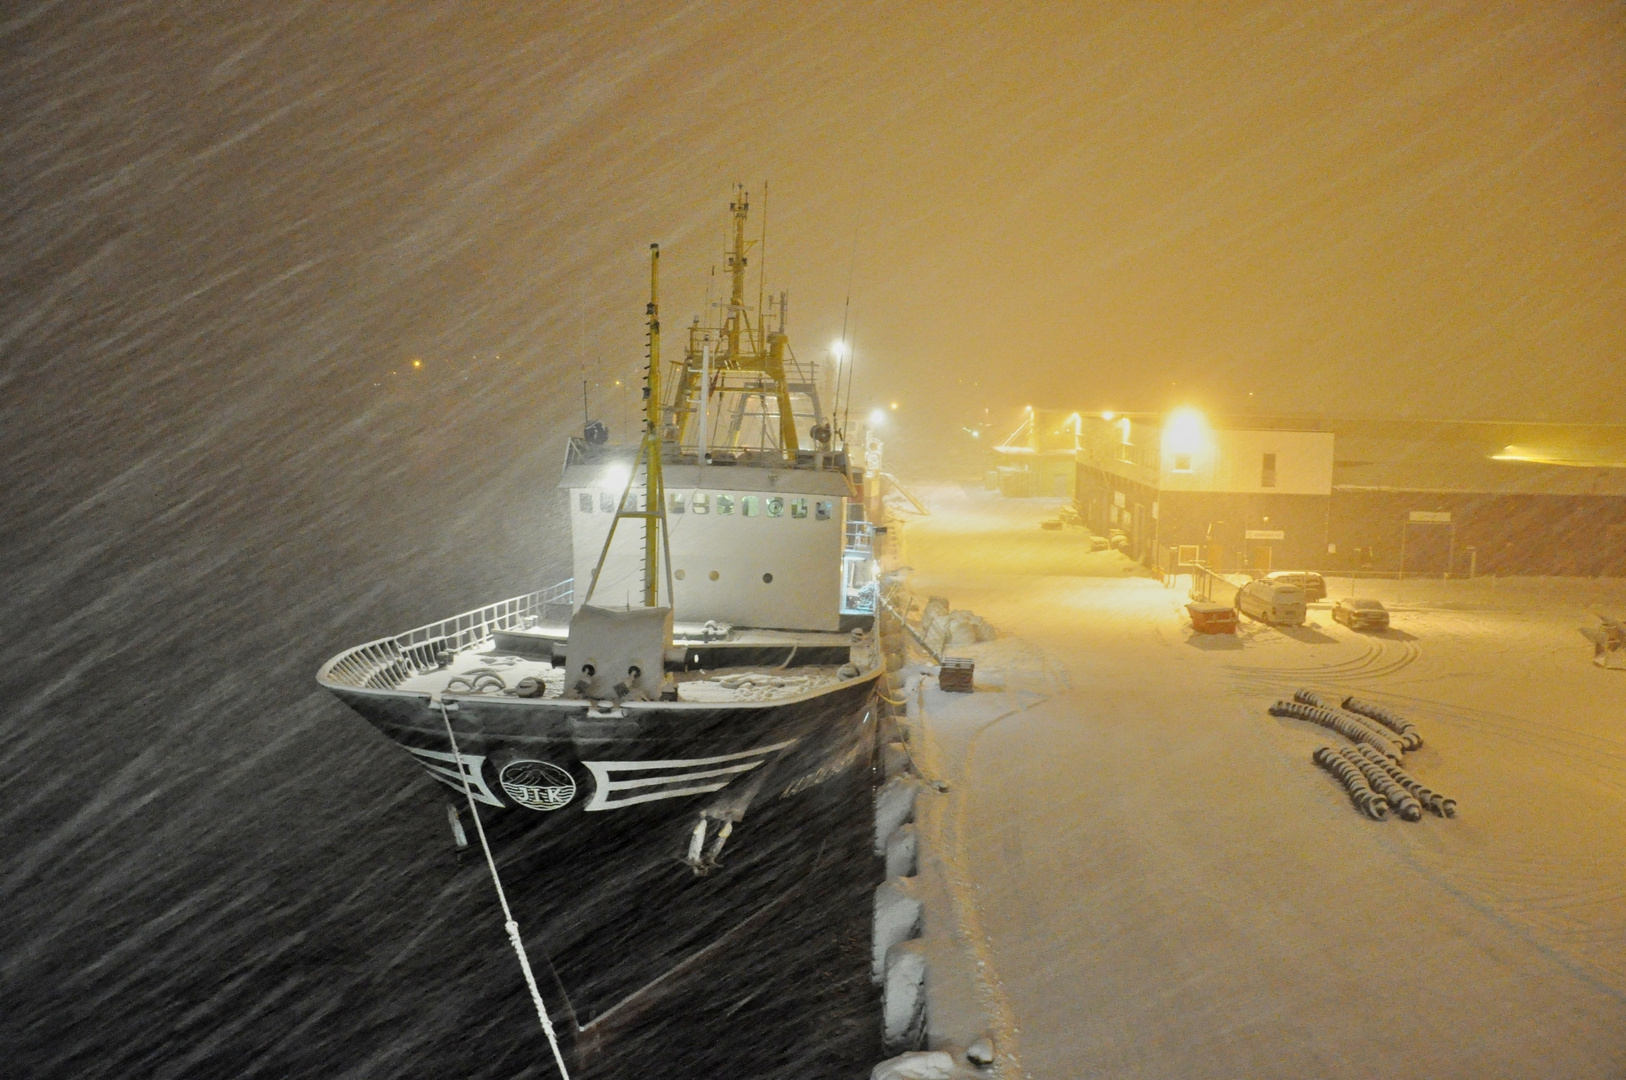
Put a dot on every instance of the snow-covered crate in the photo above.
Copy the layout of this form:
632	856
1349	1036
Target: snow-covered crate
956	674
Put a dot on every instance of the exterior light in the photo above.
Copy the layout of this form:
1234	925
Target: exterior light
1109	416
838	349
877	417
894	406
1185	433
615	477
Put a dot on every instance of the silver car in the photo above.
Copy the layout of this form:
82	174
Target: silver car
1360	614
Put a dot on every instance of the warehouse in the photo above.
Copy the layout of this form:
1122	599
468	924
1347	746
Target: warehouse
1424	497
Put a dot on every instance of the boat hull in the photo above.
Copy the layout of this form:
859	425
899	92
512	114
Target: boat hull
680	826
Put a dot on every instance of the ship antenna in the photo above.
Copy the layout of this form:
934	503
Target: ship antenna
762	269
846	346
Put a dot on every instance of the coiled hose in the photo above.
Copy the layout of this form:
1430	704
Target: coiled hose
1322	701
1410	737
1435	802
1342	723
1361	794
1399	799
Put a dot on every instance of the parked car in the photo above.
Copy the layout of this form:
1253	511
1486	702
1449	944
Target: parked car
1358	614
1272	602
1314	586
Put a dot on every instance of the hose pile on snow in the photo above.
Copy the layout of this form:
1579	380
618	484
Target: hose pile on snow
1343	723
1399	799
1436	803
1410	737
1370	770
1361	794
1331	704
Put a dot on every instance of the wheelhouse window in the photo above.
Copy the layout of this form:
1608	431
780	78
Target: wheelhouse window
725	504
748	506
674	502
798	508
775	506
700	504
584	501
824	510
606	502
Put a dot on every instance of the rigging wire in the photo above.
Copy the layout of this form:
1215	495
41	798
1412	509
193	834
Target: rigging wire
508	916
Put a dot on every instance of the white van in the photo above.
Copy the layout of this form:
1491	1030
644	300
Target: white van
1272	602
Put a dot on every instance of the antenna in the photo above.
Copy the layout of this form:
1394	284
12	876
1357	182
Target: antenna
762	270
846	345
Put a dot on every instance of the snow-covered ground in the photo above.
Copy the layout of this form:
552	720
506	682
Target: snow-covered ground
1163	883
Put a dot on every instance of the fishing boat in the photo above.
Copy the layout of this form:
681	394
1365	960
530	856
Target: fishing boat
674	739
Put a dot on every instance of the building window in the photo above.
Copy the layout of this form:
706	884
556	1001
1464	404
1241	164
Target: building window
584	502
1182	463
606	502
725	505
1267	472
700	504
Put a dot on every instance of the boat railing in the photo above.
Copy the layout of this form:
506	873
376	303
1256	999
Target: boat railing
860	539
386	663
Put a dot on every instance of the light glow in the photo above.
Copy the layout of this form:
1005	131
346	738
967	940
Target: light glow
1185	432
1109	416
615	478
838	350
877	417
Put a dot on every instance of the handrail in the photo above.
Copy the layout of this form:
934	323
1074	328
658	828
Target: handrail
388	662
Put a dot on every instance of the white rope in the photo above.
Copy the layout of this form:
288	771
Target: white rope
508	916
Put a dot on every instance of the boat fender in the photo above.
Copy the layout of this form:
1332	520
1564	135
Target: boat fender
530	688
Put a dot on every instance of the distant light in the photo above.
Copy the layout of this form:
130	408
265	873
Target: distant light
894	406
615	477
1109	416
1185	431
1030	408
838	349
877	417
417	363
976	434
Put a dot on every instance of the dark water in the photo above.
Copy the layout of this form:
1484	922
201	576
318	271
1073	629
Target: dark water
225	237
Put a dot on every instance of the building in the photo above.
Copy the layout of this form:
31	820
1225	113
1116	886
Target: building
1429	497
1037	459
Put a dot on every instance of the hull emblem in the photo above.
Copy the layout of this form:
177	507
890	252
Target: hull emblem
537	785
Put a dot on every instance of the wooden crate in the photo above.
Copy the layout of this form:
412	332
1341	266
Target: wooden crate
956	674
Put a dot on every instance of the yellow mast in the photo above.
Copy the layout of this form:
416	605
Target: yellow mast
743	349
654	489
653	514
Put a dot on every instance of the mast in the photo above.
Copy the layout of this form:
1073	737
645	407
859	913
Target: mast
654	489
657	544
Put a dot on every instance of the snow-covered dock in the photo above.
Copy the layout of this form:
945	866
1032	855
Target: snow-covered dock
1153	880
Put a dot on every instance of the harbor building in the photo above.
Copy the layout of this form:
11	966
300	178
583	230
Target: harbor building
1424	497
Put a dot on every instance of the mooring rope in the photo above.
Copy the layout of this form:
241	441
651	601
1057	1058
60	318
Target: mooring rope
508	916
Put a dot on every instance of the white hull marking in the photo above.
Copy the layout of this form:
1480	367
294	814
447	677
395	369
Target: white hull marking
452	777
607	790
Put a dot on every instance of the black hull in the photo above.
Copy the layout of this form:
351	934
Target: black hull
601	885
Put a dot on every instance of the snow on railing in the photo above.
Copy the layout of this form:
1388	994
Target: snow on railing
386	663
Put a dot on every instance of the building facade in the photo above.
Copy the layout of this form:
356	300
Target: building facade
1420	497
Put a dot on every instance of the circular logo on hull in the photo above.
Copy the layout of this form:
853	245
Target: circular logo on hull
538	785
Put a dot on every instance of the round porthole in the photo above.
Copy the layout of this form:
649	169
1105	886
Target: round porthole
678	574
714	575
767	579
